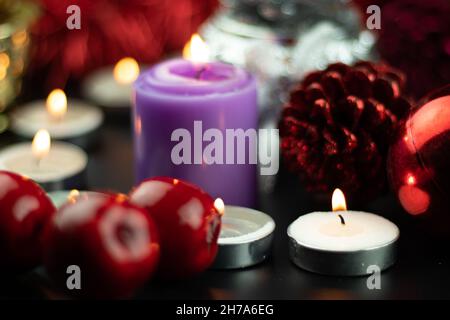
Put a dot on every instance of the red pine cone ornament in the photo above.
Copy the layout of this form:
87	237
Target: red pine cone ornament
336	128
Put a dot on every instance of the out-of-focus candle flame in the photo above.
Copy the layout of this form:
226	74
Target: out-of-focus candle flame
121	197
57	104
196	50
73	195
41	144
220	206
338	201
126	71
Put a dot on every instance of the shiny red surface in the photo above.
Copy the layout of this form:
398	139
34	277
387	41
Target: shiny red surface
187	221
113	242
419	162
24	210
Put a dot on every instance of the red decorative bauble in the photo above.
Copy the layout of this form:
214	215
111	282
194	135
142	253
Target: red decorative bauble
187	221
24	211
419	161
336	128
113	242
110	30
415	38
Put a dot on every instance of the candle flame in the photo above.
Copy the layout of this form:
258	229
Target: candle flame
220	206
126	71
57	104
196	50
41	144
121	197
73	195
338	201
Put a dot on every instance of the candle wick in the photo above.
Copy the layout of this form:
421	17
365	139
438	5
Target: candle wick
342	219
199	73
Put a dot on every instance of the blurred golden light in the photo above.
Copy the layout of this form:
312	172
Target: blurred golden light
41	144
57	104
73	195
2	73
121	197
126	71
4	60
19	38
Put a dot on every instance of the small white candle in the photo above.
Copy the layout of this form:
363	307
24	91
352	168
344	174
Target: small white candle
63	119
349	235
245	237
112	86
45	162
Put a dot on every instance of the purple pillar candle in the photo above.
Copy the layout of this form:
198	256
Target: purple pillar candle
178	93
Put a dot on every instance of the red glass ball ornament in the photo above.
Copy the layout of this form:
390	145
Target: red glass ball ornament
187	221
419	162
24	211
114	244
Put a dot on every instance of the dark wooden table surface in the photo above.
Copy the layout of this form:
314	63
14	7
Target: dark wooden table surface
422	271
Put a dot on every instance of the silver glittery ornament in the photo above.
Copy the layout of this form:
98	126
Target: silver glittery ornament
282	40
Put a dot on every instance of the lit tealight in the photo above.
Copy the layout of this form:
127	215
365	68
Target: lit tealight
196	50
54	165
126	71
318	242
41	144
57	104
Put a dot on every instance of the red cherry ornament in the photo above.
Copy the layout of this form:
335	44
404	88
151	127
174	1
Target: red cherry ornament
113	243
419	162
187	221
24	211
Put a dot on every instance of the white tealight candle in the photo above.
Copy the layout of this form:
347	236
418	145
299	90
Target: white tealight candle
112	86
61	118
245	238
53	165
342	242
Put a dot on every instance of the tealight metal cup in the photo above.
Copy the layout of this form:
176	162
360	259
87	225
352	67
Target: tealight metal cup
246	248
345	263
